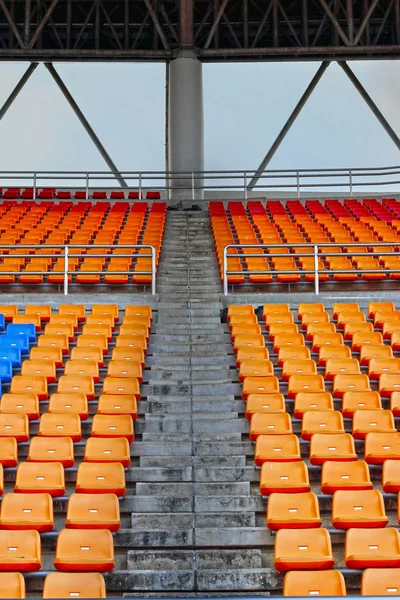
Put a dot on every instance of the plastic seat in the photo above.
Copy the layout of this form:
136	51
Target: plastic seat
8	453
276	319
358	508
388	383
389	329
326	339
381	446
78	310
264	403
113	426
305	383
328	352
316	308
88	354
376	307
93	341
53	355
43	311
108	450
46	368
391	476
276	448
293	511
80	550
290	352
60	425
101	320
361	339
89	368
289	477
114	404
319	328
74	585
270	424
132	369
37	384
133	310
314	318
380	582
371	351
12	585
282	340
64	330
345	476
349	383
381	366
314	583
20	551
382	317
259	385
294	366
336	447
27	511
355	401
337	366
312	401
93	511
394	403
279	328
12	354
27	404
243	354
303	549
54	341
354	327
339	307
240	329
121	386
76	383
95	330
35	478
232	310
366	421
324	421
101	478
75	402
14	425
274	309
9	311
27	329
376	548
106	309
43	449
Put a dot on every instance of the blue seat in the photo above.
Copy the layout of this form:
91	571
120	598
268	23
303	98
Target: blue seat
2	323
11	354
25	329
5	371
15	341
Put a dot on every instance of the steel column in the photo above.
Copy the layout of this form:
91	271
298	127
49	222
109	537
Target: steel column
85	123
17	89
282	134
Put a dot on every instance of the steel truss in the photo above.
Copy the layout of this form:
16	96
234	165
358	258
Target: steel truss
47	30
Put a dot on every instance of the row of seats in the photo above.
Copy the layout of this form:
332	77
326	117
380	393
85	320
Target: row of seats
69	359
56	585
312	223
52	193
285	376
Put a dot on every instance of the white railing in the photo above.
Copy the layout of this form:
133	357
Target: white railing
316	254
345	180
67	254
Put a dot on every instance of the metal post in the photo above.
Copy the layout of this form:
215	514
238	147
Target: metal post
17	89
316	276
65	270
153	270
87	186
245	185
282	134
192	186
86	124
34	186
298	183
351	183
225	263
140	186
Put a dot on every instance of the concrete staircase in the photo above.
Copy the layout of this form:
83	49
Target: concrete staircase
197	517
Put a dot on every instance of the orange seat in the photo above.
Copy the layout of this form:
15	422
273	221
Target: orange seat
335	446
74	585
244	341
14	425
27	404
93	511
95	330
43	311
326	339
8	452
25	319
65	320
113	426
381	446
80	550
270	424
74	402
54	341
88	354
274	309
303	549
308	401
78	310
290	352
264	403
121	386
116	404
54	329
12	585
279	328
305	383
108	450
383	316
76	383
36	384
389	383
132	311
358	508
243	354
361	339
293	511
124	368
282	340
8	310
60	425
82	367
337	475
106	309
394	403
272	319
354	327
294	366
319	328
328	352
316	308
43	449
371	351
27	511
376	307
355	401
289	477
46	368
377	420
391	476
20	551
35	478
339	307
383	366
47	354
376	548
314	583
349	383
276	448
93	341
350	317
380	582
321	421
134	341
101	320
240	329
259	385
101	478
341	366
232	310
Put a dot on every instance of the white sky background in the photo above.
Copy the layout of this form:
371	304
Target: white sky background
245	107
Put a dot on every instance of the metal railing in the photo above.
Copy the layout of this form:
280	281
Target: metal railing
347	180
316	254
67	255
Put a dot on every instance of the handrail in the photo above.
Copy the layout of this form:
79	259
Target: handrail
316	255
67	255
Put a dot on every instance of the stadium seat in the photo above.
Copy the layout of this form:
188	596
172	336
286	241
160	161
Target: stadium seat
377	420
349	383
115	404
93	511
74	585
358	508
321	421
50	354
307	401
77	310
76	383
12	585
380	582
27	404
35	478
336	447
101	478
305	383
293	511
303	549
337	475
314	583
391	476
80	550
20	551
259	385
44	450
60	425
294	366
36	384
372	548
54	341
101	450
354	401
113	426
277	448
270	424
27	511
288	477
290	352
263	403
381	446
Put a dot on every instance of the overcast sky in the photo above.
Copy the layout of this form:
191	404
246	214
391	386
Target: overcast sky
245	107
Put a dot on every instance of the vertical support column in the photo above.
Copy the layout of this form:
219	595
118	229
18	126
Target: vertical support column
186	125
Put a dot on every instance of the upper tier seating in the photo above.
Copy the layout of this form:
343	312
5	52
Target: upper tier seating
326	438
91	227
369	223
